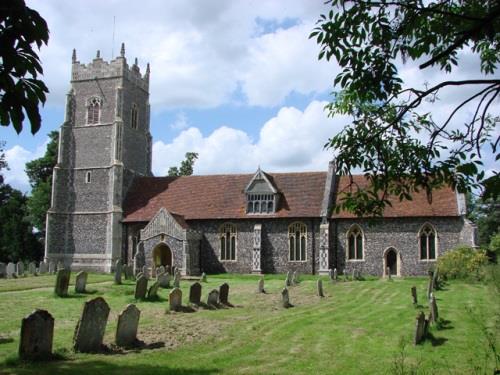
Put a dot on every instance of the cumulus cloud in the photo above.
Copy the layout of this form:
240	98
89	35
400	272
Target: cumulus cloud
17	157
293	140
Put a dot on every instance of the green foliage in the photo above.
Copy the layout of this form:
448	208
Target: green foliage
20	89
186	168
494	246
3	162
463	262
488	219
400	149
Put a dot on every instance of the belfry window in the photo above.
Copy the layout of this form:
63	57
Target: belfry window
297	241
93	110
134	115
227	235
427	242
355	243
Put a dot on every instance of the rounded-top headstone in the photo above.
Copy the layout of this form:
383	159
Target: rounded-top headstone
37	332
175	299
62	282
126	329
90	330
195	293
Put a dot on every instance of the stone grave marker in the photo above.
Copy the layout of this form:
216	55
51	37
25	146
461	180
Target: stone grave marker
3	270
414	295
43	268
295	278
145	272
126	329
175	299
118	272
141	287
345	274
52	267
11	269
62	283
153	291
320	288
260	286
126	273
90	329
20	269
203	278
131	272
224	294
419	328
60	266
285	298
433	309
430	286
37	333
213	298
32	268
195	293
177	280
288	281
81	282
164	280
330	274
335	275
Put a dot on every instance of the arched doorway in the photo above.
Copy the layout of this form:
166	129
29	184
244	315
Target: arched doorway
162	256
392	261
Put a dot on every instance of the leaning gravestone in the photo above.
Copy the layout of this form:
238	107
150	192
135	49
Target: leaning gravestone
126	329
62	283
288	281
320	288
175	299
433	309
20	269
52	268
177	280
285	298
164	280
195	294
37	333
224	294
260	286
414	295
32	268
91	326
213	298
419	328
81	282
43	268
153	291
3	270
141	287
203	278
118	272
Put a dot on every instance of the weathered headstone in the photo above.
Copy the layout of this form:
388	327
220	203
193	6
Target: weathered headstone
345	274
81	282
145	272
118	272
388	273
164	280
419	328
20	269
60	266
330	274
52	268
224	294
285	298
260	286
195	294
213	298
430	286
433	309
126	329
91	327
175	299
11	269
130	269
295	278
62	282
414	295
335	276
320	288
288	281
141	287
37	333
153	291
43	268
32	268
177	280
3	270
203	278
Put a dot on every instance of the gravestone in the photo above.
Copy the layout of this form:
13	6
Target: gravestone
126	329
118	272
420	326
20	269
90	329
285	298
260	286
131	272
126	271
433	309
43	268
3	270
141	287
60	266
414	295
224	294
11	269
175	299
32	268
37	333
295	278
430	286
345	274
145	272
195	294
52	268
288	281
330	274
62	283
153	291
388	273
203	277
81	282
320	288
177	280
164	280
335	276
213	298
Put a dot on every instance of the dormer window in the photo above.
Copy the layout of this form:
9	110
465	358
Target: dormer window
260	203
261	194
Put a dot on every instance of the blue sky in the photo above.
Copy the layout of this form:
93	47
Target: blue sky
236	81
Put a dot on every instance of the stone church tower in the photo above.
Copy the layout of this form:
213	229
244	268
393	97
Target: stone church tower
104	143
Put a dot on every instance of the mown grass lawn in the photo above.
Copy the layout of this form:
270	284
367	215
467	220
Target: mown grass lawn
360	327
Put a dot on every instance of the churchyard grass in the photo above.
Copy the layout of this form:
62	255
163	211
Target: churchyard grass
360	327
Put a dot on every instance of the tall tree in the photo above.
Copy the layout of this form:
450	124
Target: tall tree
186	168
400	148
39	172
21	91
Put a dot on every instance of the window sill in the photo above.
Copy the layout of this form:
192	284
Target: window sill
355	260
427	260
297	261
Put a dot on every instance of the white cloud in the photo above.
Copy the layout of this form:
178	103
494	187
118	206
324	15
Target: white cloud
293	140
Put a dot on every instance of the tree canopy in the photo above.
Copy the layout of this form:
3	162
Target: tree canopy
21	91
186	168
399	147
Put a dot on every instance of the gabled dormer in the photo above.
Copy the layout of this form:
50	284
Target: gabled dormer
261	194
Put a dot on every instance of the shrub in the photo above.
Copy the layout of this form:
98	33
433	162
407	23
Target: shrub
461	263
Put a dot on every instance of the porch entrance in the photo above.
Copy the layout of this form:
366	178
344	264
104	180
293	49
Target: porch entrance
162	256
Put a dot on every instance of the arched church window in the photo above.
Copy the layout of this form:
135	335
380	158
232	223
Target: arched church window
93	110
427	239
355	243
297	241
134	116
227	235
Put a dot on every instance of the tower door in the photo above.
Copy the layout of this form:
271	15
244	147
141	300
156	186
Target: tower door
162	256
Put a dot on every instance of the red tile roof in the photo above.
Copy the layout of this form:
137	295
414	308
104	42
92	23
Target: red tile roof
223	197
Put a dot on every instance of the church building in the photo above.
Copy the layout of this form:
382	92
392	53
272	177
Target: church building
107	206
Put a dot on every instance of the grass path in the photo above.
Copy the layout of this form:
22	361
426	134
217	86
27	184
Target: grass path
356	329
